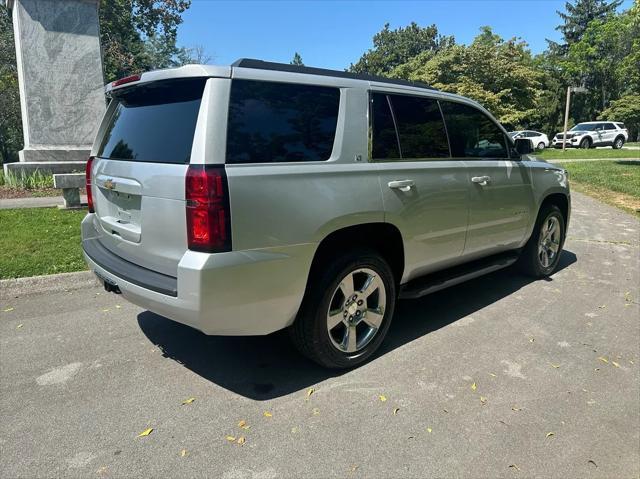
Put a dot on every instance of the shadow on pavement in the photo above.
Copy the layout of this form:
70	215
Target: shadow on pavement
265	367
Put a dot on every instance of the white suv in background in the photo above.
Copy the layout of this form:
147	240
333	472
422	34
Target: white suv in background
594	133
539	140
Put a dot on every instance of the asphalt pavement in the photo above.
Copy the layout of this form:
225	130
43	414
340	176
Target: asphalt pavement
498	377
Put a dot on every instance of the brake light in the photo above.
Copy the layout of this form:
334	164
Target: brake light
88	183
122	81
208	212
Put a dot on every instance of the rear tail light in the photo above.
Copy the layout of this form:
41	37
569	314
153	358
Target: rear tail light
88	183
208	212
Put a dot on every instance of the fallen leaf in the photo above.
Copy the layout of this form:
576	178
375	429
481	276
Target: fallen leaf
445	410
591	461
395	411
241	440
183	453
19	326
105	310
555	366
382	398
316	411
483	399
515	408
603	359
615	364
118	307
531	340
492	375
549	434
597	369
474	387
514	466
294	430
230	438
429	430
310	392
602	306
267	414
354	468
146	432
188	401
101	470
7	310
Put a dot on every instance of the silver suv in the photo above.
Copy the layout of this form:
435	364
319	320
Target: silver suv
246	199
594	133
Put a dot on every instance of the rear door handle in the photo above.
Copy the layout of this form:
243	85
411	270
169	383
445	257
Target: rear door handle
402	185
481	180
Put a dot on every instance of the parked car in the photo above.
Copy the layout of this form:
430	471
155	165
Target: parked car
246	199
539	140
594	133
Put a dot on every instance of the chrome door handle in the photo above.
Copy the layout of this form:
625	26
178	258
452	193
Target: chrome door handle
481	180
402	185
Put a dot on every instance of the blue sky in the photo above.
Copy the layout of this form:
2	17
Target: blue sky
332	34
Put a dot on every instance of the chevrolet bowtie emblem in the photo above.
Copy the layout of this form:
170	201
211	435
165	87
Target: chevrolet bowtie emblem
109	184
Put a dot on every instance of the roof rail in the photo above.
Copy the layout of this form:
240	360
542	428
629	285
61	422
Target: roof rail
285	67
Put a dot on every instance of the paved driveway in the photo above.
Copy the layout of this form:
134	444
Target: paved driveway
499	377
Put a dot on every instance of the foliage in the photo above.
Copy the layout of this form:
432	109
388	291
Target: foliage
27	180
499	74
297	60
627	110
55	249
577	17
140	35
10	120
392	48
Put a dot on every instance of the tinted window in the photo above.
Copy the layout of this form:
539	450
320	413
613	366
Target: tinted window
420	127
384	139
472	134
275	122
609	126
153	123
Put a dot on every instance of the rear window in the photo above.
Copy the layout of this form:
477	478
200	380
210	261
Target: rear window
281	122
154	122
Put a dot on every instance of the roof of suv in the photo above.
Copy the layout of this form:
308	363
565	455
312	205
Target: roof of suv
249	63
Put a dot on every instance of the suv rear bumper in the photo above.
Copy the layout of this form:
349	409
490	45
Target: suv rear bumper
251	292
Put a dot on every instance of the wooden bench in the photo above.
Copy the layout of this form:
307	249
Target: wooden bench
70	184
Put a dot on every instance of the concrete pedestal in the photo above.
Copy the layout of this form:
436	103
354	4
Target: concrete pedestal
61	82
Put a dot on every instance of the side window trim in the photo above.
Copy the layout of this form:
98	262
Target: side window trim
395	125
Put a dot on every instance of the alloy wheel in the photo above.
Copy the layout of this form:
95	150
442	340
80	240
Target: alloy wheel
356	310
549	242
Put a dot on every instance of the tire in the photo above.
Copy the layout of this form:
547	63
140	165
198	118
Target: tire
541	145
618	143
332	348
531	259
585	143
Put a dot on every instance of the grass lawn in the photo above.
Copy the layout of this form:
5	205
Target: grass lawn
577	153
616	183
37	241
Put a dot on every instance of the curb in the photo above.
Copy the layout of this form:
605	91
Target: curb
47	284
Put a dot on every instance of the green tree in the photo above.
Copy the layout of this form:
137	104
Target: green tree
499	74
626	109
392	48
577	17
296	60
139	35
11	139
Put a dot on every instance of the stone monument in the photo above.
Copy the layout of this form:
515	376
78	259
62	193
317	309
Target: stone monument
61	82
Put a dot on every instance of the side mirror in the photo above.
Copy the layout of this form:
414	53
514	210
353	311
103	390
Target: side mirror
524	146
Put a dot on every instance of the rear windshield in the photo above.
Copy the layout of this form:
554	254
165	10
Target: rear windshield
154	123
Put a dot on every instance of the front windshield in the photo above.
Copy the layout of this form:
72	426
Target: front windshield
584	127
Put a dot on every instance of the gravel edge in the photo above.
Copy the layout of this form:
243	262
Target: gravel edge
47	284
